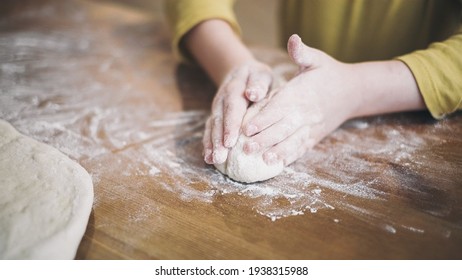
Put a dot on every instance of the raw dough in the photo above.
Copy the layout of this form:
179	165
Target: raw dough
248	168
45	200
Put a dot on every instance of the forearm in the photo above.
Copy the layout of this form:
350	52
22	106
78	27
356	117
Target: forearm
385	87
216	47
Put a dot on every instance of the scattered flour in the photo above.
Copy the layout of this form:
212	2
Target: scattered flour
109	119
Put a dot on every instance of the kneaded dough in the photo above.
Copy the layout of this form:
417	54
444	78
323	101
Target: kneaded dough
248	168
45	202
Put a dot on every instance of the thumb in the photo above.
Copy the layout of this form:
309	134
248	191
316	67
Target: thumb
301	54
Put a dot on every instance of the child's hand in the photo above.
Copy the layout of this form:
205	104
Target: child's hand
303	111
249	82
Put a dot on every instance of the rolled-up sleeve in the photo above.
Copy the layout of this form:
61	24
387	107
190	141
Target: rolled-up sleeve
183	15
438	72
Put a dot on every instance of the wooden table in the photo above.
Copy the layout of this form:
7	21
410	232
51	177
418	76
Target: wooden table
99	82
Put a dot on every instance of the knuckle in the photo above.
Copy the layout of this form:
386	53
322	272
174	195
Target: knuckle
216	142
217	120
261	78
231	87
228	107
217	101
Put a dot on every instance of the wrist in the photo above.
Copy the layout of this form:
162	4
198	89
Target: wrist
352	94
385	87
216	47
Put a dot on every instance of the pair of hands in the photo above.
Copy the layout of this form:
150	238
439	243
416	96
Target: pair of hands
293	117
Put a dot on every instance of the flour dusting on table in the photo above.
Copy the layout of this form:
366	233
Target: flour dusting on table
136	134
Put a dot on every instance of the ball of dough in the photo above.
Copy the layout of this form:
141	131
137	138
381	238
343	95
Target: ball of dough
248	168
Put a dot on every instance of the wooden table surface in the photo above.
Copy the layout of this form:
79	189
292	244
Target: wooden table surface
99	82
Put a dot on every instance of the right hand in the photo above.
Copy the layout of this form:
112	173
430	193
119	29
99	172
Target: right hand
248	82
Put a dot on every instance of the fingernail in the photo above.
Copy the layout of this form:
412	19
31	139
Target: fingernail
271	158
229	141
250	130
219	156
252	95
208	156
251	147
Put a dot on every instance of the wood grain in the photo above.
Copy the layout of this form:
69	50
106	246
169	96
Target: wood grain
99	82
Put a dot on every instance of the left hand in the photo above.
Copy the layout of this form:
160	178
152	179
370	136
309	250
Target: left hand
306	109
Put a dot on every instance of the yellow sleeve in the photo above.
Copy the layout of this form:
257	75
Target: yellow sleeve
183	15
438	72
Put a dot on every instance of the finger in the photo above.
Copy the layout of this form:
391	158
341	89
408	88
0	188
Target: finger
229	85
301	54
258	84
270	114
273	135
234	108
219	153
211	135
207	142
291	148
